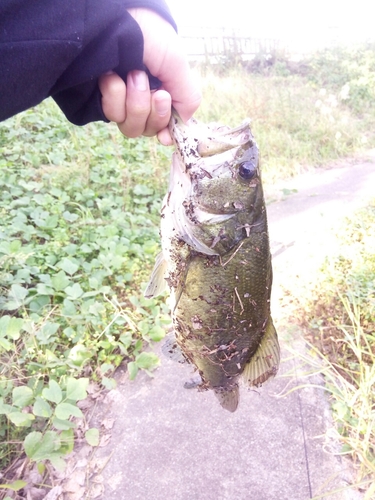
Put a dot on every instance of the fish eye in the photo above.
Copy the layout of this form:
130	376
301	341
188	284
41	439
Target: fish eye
247	170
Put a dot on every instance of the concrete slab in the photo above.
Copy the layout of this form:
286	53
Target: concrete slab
175	443
171	443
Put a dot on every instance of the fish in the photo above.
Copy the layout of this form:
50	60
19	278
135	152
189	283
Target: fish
216	259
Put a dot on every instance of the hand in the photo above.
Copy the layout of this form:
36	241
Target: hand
135	109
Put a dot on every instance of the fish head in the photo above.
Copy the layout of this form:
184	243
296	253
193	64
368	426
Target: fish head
218	170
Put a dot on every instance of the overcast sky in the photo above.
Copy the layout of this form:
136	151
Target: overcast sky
283	19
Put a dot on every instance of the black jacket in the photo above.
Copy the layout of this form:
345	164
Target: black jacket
59	48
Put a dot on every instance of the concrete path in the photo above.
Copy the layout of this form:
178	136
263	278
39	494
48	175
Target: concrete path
169	443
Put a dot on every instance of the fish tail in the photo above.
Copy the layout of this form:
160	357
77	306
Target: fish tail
229	398
265	363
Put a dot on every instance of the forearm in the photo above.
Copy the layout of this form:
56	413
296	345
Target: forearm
60	48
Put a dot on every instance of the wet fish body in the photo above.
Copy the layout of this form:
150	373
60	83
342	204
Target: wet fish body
216	259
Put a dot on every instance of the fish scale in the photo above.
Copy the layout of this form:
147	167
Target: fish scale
216	259
227	313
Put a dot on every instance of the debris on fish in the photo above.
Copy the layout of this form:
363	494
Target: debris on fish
216	259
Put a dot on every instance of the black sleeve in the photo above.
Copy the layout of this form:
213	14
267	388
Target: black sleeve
59	48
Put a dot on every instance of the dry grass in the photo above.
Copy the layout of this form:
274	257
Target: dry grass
296	125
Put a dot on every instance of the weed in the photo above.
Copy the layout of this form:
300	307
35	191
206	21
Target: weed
349	70
338	318
78	237
295	126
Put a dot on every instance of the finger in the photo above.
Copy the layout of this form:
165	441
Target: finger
161	106
178	81
113	90
138	104
164	56
164	137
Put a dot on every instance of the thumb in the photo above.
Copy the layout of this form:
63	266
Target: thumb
165	59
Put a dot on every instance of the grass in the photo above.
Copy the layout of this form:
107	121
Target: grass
79	233
338	318
296	125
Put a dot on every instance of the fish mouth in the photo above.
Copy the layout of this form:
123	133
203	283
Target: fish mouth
195	140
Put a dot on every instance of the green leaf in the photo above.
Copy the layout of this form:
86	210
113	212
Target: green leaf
74	292
63	425
52	392
346	448
109	383
68	266
57	461
15	486
106	367
16	295
156	333
69	308
15	246
67	441
79	354
5	344
11	327
132	370
64	410
40	446
92	436
37	304
21	419
43	289
4	408
142	190
32	443
14	328
341	410
22	396
70	217
41	408
60	281
41	468
147	360
46	333
49	223
76	389
69	332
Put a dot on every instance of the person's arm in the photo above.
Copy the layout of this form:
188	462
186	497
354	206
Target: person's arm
61	48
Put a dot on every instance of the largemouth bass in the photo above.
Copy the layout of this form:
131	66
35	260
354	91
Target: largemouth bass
216	258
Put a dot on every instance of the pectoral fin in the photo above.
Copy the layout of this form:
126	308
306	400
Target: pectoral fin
265	363
157	284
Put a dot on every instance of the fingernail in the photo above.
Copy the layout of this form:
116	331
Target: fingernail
163	108
140	80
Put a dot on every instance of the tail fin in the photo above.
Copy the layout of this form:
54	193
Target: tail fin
229	398
265	363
